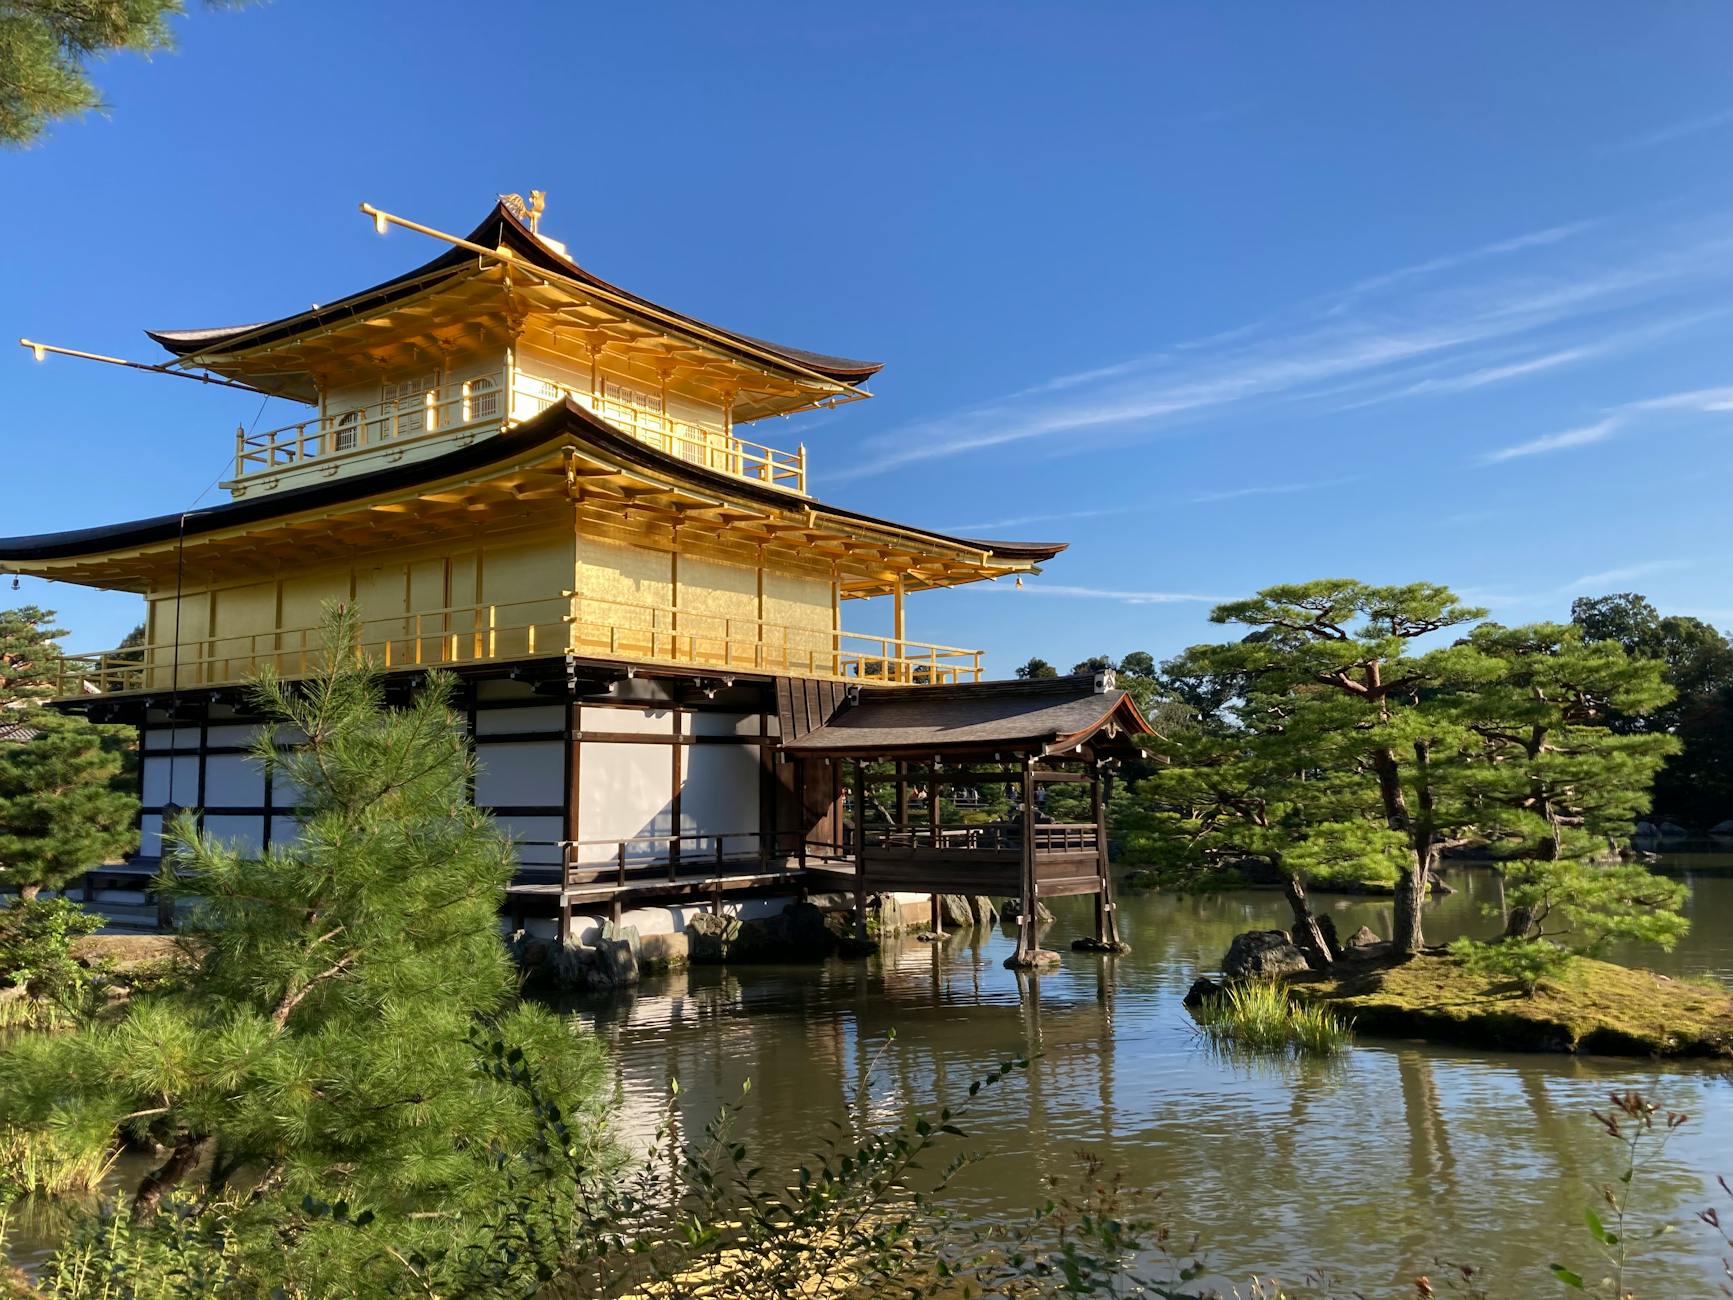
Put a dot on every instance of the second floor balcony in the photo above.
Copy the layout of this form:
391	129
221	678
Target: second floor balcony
586	626
456	413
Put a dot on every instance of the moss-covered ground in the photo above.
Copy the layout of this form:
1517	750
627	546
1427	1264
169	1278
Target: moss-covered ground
1594	1006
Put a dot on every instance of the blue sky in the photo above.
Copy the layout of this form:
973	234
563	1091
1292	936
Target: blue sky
1223	295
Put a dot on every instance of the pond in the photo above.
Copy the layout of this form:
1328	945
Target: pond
1370	1167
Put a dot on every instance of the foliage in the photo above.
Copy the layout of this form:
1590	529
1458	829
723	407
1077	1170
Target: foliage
46	45
1263	1016
66	801
321	1039
29	657
1630	1121
36	957
1330	742
1333	746
1695	783
1528	962
1037	668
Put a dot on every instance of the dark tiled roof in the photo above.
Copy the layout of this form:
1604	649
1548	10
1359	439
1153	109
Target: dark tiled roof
17	732
563	422
500	228
1045	714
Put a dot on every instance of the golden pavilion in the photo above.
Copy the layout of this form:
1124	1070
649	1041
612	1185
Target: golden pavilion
518	471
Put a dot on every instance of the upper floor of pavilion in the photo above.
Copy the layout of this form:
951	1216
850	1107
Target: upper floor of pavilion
500	326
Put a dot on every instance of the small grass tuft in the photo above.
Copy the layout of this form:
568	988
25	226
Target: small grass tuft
1262	1016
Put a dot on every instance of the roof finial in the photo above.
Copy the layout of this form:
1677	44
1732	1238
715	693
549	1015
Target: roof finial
529	213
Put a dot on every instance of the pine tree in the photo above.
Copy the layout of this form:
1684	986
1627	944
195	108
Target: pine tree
1340	690
1563	789
323	1039
66	801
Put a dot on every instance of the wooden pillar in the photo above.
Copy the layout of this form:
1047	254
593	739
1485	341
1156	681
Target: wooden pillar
938	915
1028	941
933	801
902	795
570	829
860	848
1103	916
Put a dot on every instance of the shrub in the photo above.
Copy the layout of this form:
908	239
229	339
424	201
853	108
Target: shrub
36	957
1529	962
1263	1016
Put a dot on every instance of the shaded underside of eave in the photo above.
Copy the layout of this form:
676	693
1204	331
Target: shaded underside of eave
527	445
1051	717
500	228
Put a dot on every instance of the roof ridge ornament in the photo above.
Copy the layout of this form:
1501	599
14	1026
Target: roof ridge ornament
1105	681
529	213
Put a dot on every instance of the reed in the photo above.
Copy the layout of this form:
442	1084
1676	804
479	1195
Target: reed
1263	1016
54	1161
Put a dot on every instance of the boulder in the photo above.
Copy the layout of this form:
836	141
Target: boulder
613	964
957	911
663	952
1040	959
984	910
801	934
1202	990
1012	910
1361	938
1263	954
710	938
1332	940
1091	944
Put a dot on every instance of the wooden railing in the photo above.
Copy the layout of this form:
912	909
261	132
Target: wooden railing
581	625
1049	837
489	403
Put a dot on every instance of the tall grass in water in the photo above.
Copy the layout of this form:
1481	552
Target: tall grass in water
55	1161
1262	1016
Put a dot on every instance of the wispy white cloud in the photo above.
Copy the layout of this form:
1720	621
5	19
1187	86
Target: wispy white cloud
1495	327
1099	593
1019	521
1450	261
1267	490
1599	431
1624	573
1680	129
1703	401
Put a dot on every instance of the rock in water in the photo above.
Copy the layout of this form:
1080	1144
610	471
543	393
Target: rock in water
1202	990
956	911
1263	954
711	936
986	912
1012	909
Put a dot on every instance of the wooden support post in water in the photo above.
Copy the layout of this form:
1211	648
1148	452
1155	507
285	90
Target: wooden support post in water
938	916
933	801
1028	940
1103	916
860	849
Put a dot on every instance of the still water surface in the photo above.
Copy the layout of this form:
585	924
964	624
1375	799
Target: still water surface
1370	1167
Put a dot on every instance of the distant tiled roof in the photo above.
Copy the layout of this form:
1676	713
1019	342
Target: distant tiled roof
1045	715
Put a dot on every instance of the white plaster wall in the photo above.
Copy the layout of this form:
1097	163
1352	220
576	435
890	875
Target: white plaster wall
246	835
528	772
639	722
505	722
233	781
720	797
626	790
156	781
537	839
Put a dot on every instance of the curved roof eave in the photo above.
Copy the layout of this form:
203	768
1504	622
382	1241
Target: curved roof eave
500	227
562	422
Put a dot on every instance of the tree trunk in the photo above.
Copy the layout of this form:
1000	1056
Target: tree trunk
1308	934
182	1160
27	893
1405	935
1519	923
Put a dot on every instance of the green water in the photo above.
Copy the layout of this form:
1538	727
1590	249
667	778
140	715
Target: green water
1372	1167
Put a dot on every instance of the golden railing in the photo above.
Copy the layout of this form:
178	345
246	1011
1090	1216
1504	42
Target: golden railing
581	625
488	403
